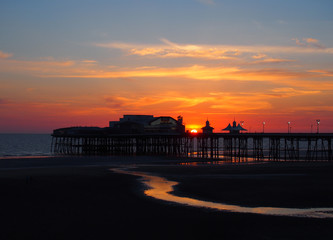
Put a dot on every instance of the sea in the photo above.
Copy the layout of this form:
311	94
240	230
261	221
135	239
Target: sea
25	145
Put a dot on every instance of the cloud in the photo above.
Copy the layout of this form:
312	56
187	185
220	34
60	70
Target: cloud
115	102
214	102
169	49
240	103
176	102
197	72
273	60
209	72
315	108
89	61
173	50
322	72
5	55
259	56
289	92
311	40
272	93
40	67
309	43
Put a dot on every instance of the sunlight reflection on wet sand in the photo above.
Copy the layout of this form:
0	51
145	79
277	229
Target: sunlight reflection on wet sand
161	188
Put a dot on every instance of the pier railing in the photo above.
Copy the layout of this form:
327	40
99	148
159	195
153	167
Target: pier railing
219	146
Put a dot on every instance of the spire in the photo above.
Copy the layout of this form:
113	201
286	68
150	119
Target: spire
207	123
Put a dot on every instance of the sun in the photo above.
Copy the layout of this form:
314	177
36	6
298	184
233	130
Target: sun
194	131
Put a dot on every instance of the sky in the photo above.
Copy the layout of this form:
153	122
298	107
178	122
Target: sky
87	62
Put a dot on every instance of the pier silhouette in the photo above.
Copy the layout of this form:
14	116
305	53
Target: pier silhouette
216	146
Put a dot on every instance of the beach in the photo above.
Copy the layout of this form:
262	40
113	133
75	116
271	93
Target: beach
82	198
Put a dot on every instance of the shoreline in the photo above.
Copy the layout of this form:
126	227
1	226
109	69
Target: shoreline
285	184
163	189
73	199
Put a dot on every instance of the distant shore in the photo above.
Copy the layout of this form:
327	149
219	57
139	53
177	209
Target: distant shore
80	198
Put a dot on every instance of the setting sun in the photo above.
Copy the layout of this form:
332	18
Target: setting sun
194	131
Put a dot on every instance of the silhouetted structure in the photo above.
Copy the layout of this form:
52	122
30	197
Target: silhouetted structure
218	146
207	129
234	128
149	135
146	124
165	124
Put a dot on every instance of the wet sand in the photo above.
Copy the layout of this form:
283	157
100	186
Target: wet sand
279	184
69	201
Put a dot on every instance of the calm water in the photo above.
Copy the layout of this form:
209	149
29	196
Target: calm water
161	188
12	145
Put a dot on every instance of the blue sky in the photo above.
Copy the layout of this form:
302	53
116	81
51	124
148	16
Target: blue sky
39	28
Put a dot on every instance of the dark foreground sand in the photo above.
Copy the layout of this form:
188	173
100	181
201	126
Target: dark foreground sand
92	202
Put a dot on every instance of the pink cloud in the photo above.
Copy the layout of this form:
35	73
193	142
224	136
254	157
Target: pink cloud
5	55
309	43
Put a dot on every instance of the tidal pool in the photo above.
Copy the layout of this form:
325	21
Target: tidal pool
161	188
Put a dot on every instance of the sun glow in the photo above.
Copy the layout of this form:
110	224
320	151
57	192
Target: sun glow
194	131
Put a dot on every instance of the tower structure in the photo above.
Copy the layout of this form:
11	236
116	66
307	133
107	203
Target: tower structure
207	129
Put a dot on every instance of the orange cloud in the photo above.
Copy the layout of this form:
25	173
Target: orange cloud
79	69
273	60
197	72
322	72
294	92
173	50
309	43
259	56
5	55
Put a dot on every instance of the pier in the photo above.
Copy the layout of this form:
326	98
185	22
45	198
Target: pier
215	146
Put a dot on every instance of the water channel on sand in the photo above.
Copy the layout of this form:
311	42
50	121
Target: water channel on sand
161	188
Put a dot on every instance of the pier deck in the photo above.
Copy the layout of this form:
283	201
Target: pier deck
219	146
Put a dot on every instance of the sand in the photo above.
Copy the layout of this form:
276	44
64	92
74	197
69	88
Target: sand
82	199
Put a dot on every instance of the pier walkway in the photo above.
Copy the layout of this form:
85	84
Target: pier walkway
219	146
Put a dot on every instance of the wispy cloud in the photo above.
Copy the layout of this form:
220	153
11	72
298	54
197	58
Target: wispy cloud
322	72
309	43
89	61
216	72
289	92
273	60
5	55
198	72
169	49
173	50
259	56
213	102
250	72
37	67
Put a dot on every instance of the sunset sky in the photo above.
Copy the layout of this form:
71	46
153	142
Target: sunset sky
87	62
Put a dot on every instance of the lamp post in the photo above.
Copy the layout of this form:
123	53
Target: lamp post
241	122
318	122
288	127
263	127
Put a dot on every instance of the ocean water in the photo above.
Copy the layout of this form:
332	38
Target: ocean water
25	145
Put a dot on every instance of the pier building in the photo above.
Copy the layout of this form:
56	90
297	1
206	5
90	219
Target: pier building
207	129
234	128
147	124
165	136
